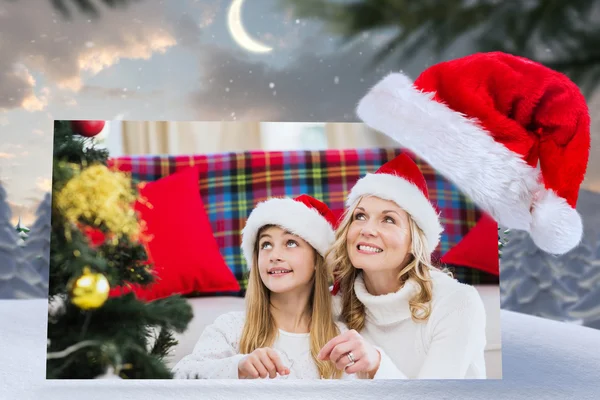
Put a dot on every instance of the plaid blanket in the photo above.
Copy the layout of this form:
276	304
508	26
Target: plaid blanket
231	184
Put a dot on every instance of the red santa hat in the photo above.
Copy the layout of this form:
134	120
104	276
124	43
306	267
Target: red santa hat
400	180
303	216
484	121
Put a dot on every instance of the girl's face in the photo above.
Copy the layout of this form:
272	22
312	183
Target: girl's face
285	261
379	236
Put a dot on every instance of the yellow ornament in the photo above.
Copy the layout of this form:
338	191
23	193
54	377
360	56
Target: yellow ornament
98	195
89	291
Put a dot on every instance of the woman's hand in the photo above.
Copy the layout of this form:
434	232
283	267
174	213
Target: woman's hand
261	363
366	357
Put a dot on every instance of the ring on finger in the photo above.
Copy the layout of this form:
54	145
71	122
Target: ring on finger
351	358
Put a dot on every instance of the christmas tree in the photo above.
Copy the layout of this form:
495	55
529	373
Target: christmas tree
18	279
22	230
537	283
37	242
95	245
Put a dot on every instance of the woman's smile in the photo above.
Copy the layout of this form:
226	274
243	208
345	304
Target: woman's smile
368	248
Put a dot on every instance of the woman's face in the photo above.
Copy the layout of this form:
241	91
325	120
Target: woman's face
286	262
379	236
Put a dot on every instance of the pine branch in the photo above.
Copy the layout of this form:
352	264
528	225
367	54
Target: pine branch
129	262
121	324
568	30
576	62
86	7
164	342
72	148
145	366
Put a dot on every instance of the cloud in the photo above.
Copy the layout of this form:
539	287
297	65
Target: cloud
44	185
312	88
107	92
104	55
187	30
16	83
67	52
12	146
9	156
208	13
26	212
37	103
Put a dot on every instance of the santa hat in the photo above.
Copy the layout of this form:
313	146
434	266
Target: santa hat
400	180
303	216
484	121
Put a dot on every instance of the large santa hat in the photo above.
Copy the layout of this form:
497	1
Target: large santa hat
484	121
303	216
400	180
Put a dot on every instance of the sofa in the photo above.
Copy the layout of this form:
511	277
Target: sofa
226	186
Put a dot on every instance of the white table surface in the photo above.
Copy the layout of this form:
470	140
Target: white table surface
542	359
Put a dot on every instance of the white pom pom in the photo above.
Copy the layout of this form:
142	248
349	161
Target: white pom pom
556	227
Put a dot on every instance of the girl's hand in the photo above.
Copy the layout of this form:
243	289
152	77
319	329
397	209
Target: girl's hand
261	363
366	357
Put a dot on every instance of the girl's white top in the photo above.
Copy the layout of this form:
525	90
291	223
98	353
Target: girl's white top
216	354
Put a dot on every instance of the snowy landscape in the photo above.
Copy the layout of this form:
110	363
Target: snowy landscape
24	260
564	288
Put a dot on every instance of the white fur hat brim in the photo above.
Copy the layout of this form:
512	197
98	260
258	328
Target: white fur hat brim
495	178
291	215
407	196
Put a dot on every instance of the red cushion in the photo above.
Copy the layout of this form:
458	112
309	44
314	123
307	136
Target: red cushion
182	247
478	249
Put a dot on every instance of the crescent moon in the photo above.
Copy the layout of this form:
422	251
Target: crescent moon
238	32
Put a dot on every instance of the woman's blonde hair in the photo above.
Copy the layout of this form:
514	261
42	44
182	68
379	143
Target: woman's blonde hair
260	330
353	311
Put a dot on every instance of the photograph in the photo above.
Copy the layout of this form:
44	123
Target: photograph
264	250
205	198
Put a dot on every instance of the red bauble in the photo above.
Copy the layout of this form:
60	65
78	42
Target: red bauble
87	128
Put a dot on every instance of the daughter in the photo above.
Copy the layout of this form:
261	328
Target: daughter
288	317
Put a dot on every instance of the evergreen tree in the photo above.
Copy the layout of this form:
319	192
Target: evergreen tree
563	35
537	283
37	244
22	230
95	244
18	279
587	307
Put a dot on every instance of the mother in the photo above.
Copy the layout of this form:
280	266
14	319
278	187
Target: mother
388	292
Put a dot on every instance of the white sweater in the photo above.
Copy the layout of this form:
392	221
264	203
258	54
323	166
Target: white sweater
216	354
450	345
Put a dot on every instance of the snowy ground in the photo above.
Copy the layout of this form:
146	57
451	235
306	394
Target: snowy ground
536	364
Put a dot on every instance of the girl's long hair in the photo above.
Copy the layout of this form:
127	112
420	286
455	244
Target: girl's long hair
353	311
260	329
